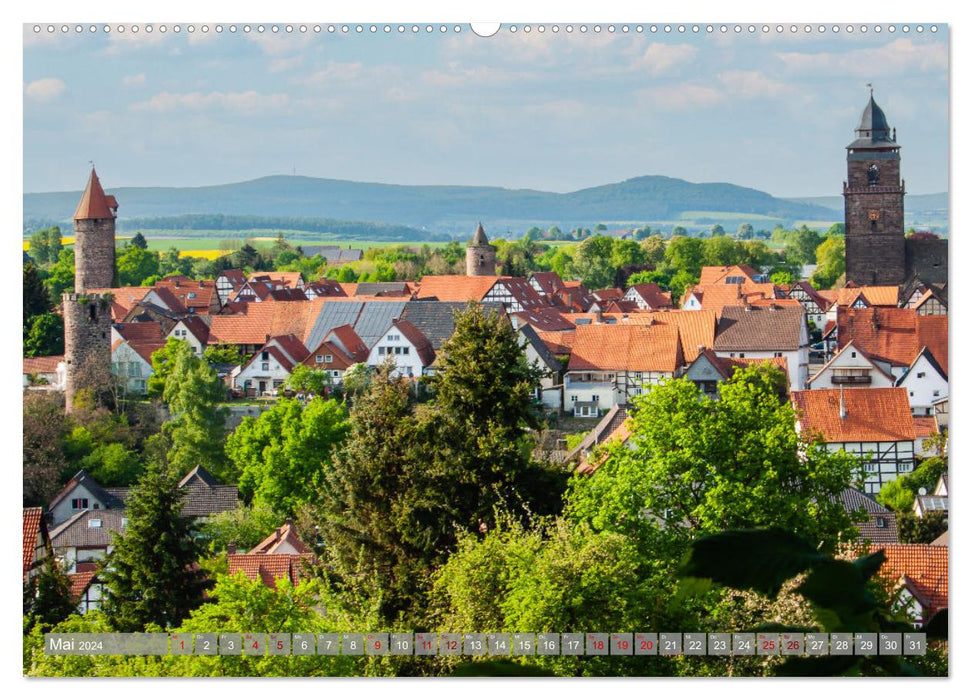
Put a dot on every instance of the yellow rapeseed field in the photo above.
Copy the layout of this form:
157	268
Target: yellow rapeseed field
65	240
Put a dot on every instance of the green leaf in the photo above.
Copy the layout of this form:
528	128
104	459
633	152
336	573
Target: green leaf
870	564
759	560
498	668
936	627
838	586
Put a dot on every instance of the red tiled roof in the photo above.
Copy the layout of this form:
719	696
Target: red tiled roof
285	535
872	415
653	295
123	299
715	297
696	328
923	565
80	582
592	462
181	287
893	335
94	204
925	426
267	568
607	294
549	282
558	342
32	518
423	346
144	338
455	287
874	296
635	348
544	319
351	341
258	322
339	359
713	274
42	365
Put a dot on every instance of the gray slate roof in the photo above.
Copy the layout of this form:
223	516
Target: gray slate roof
759	328
369	319
374	288
77	531
436	319
854	500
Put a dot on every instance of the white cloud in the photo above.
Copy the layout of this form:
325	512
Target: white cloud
330	73
893	59
661	58
119	42
455	74
679	96
44	89
275	44
281	65
749	84
248	102
133	80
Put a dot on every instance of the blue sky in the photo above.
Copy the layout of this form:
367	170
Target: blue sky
546	111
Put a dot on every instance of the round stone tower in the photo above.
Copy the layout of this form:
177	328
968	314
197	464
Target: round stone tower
87	345
480	257
87	316
94	238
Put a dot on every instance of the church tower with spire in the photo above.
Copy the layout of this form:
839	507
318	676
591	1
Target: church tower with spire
480	257
873	195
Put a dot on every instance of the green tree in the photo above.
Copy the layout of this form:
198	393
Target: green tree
695	466
685	255
626	252
149	576
44	429
136	264
45	245
831	262
801	245
222	355
679	231
717	230
837	229
745	232
306	380
282	455
661	279
60	277
641	233
680	282
356	379
47	596
193	392
138	241
246	526
722	250
923	530
171	262
756	254
782	277
113	464
653	249
36	299
592	262
44	336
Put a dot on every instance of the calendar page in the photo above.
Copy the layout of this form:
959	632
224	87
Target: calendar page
436	349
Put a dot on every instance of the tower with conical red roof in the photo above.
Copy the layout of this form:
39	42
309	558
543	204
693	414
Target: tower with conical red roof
873	196
87	316
480	257
94	238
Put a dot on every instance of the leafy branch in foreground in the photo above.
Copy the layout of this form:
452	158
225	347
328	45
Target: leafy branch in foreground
841	592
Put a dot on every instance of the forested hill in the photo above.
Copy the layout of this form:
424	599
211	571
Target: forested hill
434	208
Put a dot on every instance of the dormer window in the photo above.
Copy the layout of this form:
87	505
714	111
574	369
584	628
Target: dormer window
79	503
881	522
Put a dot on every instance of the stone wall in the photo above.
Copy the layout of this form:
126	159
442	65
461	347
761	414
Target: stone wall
94	254
87	344
927	260
480	261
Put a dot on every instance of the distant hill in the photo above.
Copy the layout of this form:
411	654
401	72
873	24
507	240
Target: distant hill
435	209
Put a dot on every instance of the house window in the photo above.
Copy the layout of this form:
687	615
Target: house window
573	399
381	350
853	353
397	351
94	523
595	398
265	355
406	351
921	375
881	522
335	374
266	366
320	359
79	503
778	354
328	358
741	354
937	393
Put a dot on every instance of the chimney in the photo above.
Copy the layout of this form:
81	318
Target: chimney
231	548
842	405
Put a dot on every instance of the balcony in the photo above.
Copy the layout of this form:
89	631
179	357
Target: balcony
852	379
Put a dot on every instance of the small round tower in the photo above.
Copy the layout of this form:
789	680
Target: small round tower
480	257
94	238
